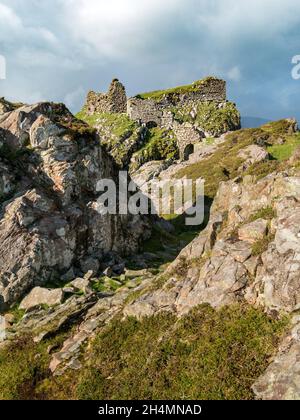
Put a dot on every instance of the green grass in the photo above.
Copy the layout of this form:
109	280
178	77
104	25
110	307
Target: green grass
160	144
211	118
17	313
261	169
207	355
260	246
106	284
118	134
119	124
157	95
267	213
225	162
24	369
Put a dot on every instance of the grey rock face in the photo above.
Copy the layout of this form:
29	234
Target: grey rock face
254	231
51	219
252	154
221	267
226	267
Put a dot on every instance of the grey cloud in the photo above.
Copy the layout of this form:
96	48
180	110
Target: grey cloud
60	49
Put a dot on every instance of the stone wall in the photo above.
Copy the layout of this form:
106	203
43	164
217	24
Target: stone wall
145	111
156	111
187	136
114	101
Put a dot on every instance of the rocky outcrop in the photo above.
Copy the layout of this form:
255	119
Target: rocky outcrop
281	381
249	252
252	154
259	263
51	223
7	106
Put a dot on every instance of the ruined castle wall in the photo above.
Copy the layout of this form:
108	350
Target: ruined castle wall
114	101
149	110
145	110
186	135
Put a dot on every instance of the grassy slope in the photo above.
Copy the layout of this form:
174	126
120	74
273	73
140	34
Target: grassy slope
118	133
224	163
119	136
160	144
208	354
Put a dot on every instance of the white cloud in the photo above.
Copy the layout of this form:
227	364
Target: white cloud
8	19
234	74
115	28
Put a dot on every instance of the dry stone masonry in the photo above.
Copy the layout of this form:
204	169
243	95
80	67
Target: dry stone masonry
157	110
113	101
174	109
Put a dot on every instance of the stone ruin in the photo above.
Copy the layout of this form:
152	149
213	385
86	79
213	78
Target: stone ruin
158	111
114	101
187	136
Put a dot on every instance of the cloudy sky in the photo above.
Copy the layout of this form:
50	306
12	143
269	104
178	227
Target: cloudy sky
59	49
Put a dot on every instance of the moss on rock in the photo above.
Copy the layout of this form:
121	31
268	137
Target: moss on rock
119	135
158	95
211	117
160	144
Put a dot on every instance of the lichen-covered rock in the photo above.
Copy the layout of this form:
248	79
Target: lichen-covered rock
41	296
281	381
259	263
252	154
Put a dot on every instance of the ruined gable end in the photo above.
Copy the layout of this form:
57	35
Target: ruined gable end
114	101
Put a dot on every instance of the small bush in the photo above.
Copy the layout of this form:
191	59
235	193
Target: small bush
267	213
261	246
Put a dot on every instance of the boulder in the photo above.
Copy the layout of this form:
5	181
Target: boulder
80	284
252	154
41	296
281	380
90	264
